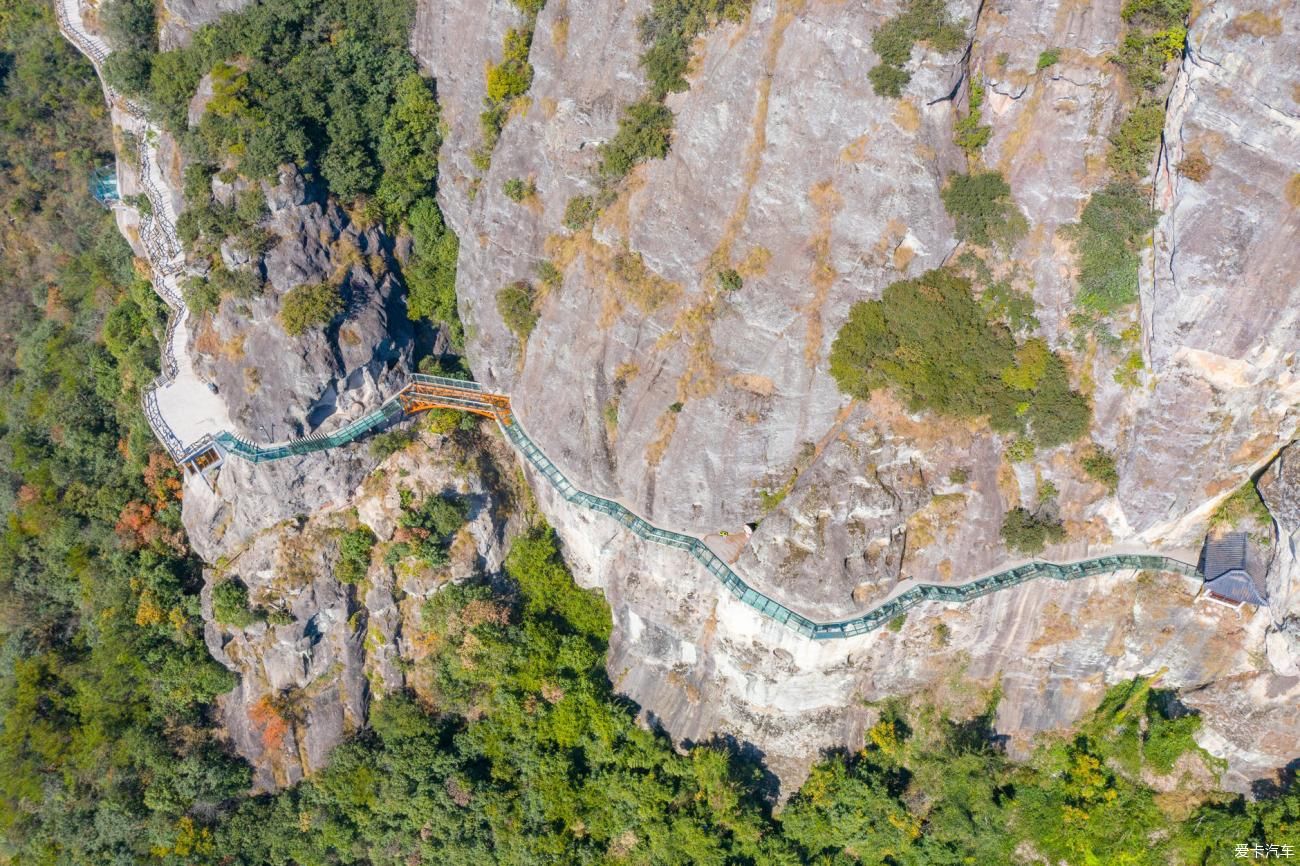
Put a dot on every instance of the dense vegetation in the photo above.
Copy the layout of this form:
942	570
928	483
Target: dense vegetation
517	750
105	682
931	341
925	21
425	527
513	746
516	305
1108	241
983	210
1156	33
311	305
1117	218
355	546
329	86
1028	532
968	133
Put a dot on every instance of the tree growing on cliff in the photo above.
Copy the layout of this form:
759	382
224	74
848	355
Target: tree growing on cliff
920	21
311	305
408	147
1107	239
431	274
230	604
932	343
983	210
1029	532
515	303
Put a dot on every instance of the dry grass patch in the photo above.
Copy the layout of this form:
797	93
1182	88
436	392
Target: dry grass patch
1056	626
212	345
754	384
642	286
755	262
1255	23
903	256
856	150
785	13
937	520
560	30
827	202
621	274
907	116
665	427
1292	191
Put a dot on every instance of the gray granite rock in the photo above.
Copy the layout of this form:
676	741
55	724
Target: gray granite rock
786	166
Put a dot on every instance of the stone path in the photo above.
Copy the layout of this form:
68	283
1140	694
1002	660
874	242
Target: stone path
181	409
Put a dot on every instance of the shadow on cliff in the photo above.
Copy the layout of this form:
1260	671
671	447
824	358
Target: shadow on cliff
747	762
1266	789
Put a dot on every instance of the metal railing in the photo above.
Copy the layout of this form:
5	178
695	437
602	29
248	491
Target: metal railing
157	235
857	625
255	453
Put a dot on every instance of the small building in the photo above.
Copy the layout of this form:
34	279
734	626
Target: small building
1233	573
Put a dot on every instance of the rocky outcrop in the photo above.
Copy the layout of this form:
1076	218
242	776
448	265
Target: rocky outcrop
1220	322
714	411
179	19
1279	487
280	386
305	684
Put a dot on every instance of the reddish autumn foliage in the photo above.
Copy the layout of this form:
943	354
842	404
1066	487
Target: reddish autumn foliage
162	479
135	525
269	723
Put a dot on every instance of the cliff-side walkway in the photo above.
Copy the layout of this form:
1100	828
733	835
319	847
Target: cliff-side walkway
193	424
429	392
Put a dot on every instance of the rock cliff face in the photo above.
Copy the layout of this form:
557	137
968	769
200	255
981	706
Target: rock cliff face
708	411
715	413
280	387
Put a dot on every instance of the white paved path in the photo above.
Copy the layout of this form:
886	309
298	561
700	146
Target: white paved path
181	408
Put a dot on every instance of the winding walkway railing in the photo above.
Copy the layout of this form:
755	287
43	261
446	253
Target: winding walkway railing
471	396
157	234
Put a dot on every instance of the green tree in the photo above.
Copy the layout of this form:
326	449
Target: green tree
1029	532
230	605
408	147
1106	240
930	341
983	210
515	303
311	305
355	546
579	212
644	132
920	21
431	276
1099	465
511	77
